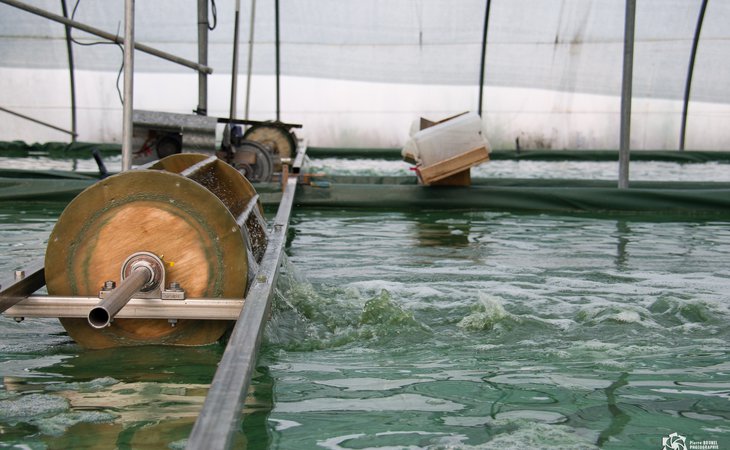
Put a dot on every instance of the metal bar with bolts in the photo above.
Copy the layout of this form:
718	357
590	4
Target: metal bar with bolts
24	283
108	36
220	417
136	308
39	122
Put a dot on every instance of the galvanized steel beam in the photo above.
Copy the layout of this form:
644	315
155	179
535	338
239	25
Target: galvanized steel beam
136	308
220	417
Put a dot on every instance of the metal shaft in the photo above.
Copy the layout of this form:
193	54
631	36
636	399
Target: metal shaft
102	314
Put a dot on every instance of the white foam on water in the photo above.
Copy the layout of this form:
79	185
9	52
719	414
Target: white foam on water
399	402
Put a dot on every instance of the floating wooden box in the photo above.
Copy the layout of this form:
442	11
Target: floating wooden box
455	171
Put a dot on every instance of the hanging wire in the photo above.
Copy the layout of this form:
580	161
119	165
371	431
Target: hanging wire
89	44
215	16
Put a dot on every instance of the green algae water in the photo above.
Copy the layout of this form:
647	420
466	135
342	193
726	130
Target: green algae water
405	330
418	330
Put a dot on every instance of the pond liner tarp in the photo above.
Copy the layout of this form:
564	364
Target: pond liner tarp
533	195
84	149
536	155
672	201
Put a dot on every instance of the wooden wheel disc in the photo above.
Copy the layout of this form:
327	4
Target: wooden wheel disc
280	140
169	215
228	184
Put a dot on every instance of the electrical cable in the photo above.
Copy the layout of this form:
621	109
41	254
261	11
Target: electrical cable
89	44
215	16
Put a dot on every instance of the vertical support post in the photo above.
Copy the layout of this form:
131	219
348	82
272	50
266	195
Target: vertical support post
690	70
484	56
250	57
128	84
278	66
628	70
234	69
71	72
202	108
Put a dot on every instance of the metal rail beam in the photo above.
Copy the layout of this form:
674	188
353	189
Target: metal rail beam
220	417
137	308
108	36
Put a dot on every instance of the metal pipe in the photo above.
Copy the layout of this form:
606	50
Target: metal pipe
220	417
484	57
102	314
690	71
278	59
234	69
127	107
202	108
108	36
628	70
250	58
71	72
39	122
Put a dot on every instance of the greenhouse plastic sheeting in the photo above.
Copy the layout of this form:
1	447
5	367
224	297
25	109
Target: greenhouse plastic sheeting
566	45
357	72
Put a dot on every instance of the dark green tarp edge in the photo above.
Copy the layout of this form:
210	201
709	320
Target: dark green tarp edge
83	149
17	149
677	201
559	196
536	155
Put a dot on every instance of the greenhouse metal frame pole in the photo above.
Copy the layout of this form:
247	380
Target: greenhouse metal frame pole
71	72
484	56
250	58
690	71
278	59
108	36
39	122
234	68
202	108
628	69
127	106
